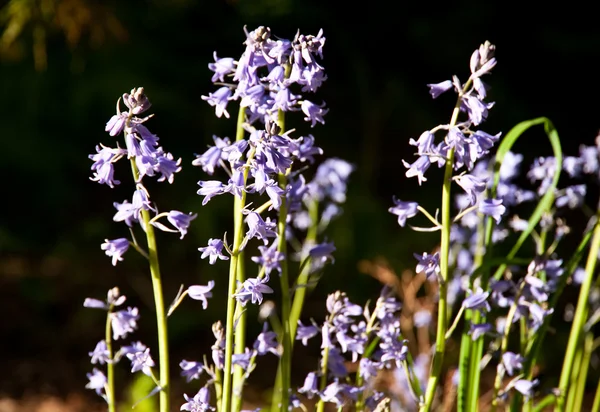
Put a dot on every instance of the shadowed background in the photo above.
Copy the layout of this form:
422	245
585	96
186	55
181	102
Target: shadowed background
64	63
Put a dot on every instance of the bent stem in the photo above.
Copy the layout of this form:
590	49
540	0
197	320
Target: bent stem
578	320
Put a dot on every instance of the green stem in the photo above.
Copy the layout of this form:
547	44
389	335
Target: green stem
161	317
440	339
110	367
240	335
596	405
582	372
323	383
578	319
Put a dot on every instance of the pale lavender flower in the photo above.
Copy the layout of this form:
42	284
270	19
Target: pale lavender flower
331	180
310	387
97	381
210	189
141	361
214	251
572	196
525	387
252	290
219	99
430	264
437	89
135	347
404	210
201	292
313	112
270	258
480	329
304	333
113	298
493	208
221	67
424	143
472	185
124	322
199	403
181	221
116	124
422	318
191	370
266	342
511	362
242	359
103	166
418	168
100	353
259	228
115	249
477	300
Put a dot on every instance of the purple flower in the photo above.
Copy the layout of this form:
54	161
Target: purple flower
430	264
201	292
418	168
270	258
512	361
97	381
331	180
266	342
242	359
103	166
472	185
219	100
124	322
221	67
304	333
191	370
181	221
477	300
100	353
438	88
404	210
310	387
252	289
259	228
493	208
525	387
480	329
116	123
424	143
199	403
141	361
210	159
115	249
213	251
135	347
210	189
313	112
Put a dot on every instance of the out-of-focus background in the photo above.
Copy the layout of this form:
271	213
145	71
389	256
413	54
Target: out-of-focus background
64	63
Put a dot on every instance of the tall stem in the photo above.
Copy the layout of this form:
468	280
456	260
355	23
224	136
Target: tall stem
442	322
233	399
161	317
240	335
110	367
578	319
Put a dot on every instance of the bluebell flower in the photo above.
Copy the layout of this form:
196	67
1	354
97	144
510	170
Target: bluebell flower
310	387
201	292
214	251
477	300
181	221
191	370
472	185
100	353
313	112
436	89
479	329
270	258
141	361
493	208
304	333
252	289
115	249
219	99
404	210
97	381
199	403
124	322
267	342
418	168
511	362
430	264
221	68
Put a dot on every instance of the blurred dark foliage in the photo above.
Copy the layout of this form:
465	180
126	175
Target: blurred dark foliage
64	63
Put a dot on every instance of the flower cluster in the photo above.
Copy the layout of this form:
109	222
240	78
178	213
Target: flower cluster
147	158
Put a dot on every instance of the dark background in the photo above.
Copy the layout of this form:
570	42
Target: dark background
57	93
